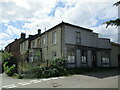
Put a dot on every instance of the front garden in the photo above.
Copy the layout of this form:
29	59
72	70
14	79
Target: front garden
52	68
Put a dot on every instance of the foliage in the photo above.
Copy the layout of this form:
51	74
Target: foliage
117	3
38	56
19	76
115	22
54	69
9	70
6	56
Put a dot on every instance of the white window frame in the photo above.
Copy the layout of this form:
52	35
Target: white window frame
84	56
105	58
78	37
54	41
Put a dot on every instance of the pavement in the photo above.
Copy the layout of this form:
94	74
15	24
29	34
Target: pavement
106	79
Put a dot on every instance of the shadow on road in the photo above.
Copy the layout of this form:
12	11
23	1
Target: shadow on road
103	74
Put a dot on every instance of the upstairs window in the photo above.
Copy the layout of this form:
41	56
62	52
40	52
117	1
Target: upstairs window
78	38
84	56
33	44
53	37
44	41
38	42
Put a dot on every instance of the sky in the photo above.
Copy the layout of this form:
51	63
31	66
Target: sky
27	16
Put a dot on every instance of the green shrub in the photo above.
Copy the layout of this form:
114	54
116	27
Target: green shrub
9	70
55	68
19	76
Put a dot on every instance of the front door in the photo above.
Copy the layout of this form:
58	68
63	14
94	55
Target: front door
94	59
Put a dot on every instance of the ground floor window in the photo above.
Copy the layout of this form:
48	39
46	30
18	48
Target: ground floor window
71	57
105	58
84	56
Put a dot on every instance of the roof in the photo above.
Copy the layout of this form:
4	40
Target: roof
31	38
104	38
64	23
115	44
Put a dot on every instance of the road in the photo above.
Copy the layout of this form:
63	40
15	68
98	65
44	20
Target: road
107	79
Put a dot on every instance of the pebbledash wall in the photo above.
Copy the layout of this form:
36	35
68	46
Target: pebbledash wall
81	47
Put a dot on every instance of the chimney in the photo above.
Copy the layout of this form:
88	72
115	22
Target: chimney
23	35
39	31
30	36
16	39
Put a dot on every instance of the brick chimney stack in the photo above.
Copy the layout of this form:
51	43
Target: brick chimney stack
23	35
30	36
39	31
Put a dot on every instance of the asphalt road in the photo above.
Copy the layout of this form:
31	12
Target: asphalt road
108	79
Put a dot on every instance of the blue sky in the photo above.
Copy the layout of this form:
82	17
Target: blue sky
26	16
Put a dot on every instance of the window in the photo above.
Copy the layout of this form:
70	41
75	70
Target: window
24	45
84	56
105	57
38	42
44	41
71	57
54	54
78	40
33	44
54	38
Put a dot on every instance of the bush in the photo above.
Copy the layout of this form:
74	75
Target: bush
54	69
19	76
9	70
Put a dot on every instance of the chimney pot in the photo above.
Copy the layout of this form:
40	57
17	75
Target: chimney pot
30	36
39	31
23	35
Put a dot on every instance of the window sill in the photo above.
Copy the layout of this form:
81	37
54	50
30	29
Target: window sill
53	44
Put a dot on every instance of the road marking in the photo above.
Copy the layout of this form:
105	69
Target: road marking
54	78
33	80
46	79
24	83
61	77
37	81
10	86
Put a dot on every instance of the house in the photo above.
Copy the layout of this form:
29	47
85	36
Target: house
28	44
81	47
14	47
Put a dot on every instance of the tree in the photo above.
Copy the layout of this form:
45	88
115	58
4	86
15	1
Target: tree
115	22
6	56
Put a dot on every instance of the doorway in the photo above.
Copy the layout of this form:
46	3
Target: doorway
94	59
118	60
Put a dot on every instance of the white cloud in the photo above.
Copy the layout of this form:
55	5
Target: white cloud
11	31
79	12
4	43
3	35
110	32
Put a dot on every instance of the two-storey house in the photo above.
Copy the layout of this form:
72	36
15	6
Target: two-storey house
81	47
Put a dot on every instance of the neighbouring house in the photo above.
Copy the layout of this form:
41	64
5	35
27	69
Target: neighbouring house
26	47
81	47
14	48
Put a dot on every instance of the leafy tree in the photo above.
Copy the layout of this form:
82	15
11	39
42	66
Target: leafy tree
115	22
6	56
